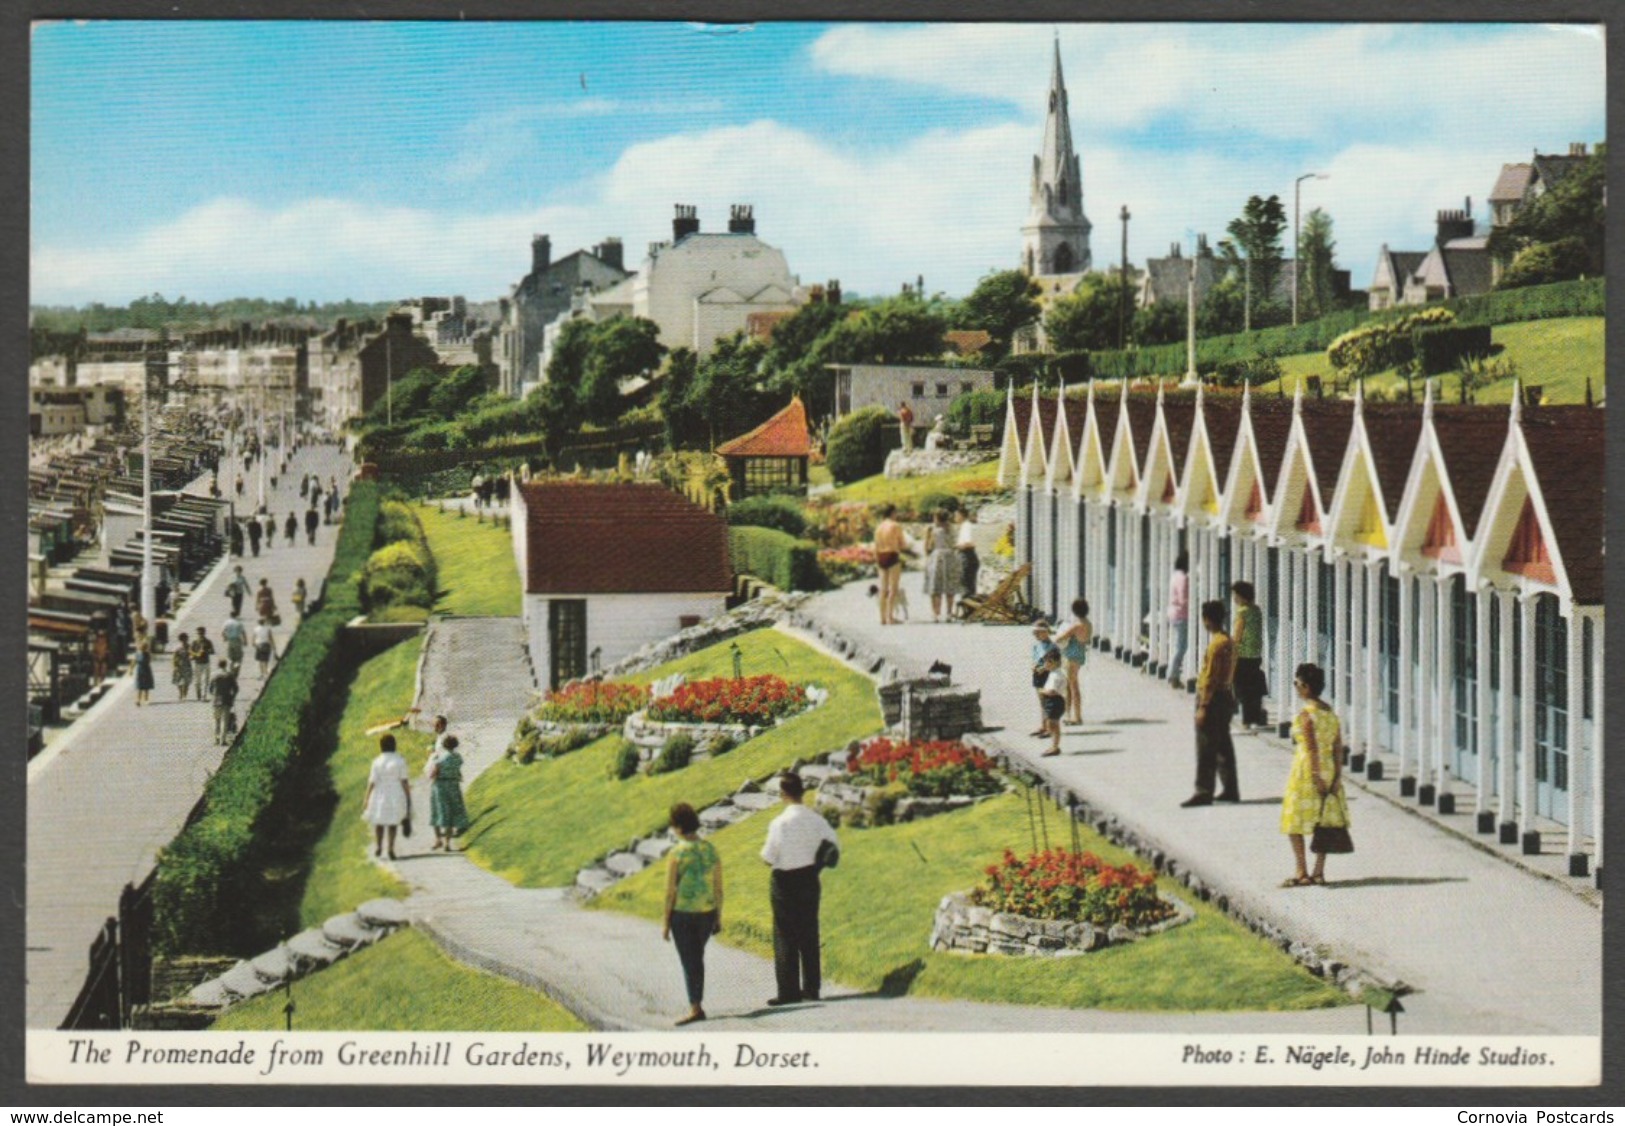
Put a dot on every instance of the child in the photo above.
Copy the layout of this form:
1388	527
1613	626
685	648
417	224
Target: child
1053	700
1074	642
1042	648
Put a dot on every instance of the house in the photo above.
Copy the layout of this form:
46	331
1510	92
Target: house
540	298
1518	185
1168	279
1457	265
608	568
928	389
1394	269
771	458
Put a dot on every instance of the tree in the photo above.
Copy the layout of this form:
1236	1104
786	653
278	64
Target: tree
1544	262
1222	309
559	413
1162	322
619	349
568	365
795	356
686	428
1086	320
1258	231
1316	247
726	393
1574	212
1002	302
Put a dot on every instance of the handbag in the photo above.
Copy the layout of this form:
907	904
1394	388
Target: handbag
1331	839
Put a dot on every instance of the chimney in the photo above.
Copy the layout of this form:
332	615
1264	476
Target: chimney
832	291
1453	225
684	222
742	219
1174	250
541	253
1577	148
610	253
919	284
1201	247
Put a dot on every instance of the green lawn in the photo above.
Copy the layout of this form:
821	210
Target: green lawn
819	475
406	984
878	489
537	825
1559	354
341	875
878	908
477	573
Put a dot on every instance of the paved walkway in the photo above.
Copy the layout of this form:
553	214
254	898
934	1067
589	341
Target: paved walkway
1490	947
118	785
613	970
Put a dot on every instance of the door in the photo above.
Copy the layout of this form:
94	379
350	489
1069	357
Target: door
1464	683
1551	709
1388	660
566	640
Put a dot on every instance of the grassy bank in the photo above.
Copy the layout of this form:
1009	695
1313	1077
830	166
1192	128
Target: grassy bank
536	825
477	575
879	904
403	984
904	491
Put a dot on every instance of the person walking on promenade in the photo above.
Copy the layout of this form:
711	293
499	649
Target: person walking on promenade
254	537
265	601
799	842
1179	616
448	816
99	651
1042	648
269	524
312	520
1251	688
235	636
264	646
889	563
202	661
693	903
1215	705
940	578
905	424
1074	644
298	599
1052	698
143	672
180	666
389	796
237	590
234	540
316	499
290	528
223	691
969	564
1314	786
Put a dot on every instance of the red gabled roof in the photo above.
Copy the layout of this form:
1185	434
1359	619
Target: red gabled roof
1272	424
1569	449
968	341
1179	416
1142	417
1327	424
588	538
1470	440
1222	418
1393	430
783	435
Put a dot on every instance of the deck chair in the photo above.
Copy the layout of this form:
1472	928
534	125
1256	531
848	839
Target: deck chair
1002	604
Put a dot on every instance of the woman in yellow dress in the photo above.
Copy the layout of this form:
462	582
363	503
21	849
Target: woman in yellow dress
1314	788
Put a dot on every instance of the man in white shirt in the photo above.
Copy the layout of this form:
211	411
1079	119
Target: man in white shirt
793	842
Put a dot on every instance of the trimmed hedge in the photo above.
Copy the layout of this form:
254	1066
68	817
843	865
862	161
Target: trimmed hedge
783	560
402	571
1443	349
778	512
209	870
977	408
859	443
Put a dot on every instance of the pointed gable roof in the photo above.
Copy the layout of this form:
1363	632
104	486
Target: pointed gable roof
1470	440
1179	416
1142	419
1392	430
1272	424
1327	426
1221	419
1569	449
783	435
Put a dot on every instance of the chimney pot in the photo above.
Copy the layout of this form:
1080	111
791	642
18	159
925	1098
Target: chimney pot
541	253
685	221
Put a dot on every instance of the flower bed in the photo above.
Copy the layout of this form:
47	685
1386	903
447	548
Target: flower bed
593	701
840	524
935	769
844	564
753	700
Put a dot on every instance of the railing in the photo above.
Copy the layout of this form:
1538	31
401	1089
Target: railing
120	975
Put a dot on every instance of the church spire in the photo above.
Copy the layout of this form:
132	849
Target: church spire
1055	238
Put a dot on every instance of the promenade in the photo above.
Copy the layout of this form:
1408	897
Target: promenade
114	788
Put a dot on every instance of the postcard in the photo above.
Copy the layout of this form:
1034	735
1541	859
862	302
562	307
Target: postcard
816	554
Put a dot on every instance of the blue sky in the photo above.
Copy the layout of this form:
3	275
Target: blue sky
375	160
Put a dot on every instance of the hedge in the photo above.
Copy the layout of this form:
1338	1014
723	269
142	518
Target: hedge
777	512
401	572
1442	349
209	871
859	443
783	560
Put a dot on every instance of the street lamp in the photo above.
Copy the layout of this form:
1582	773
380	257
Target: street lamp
1122	299
1247	282
1297	249
1190	327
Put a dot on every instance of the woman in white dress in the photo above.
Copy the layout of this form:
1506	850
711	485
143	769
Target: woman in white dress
389	796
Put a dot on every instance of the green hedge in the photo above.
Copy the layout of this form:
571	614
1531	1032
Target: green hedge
1586	297
783	560
780	513
401	572
1442	349
208	872
859	443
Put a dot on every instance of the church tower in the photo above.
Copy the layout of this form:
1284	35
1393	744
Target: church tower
1055	238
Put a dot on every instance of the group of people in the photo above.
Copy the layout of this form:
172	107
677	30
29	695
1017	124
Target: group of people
486	490
387	806
951	563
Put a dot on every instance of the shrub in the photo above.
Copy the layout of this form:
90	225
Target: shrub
1254	370
719	744
843	564
624	761
593	701
1445	347
1383	343
859	443
978	408
934	769
783	560
925	506
750	699
675	754
215	864
1073	887
777	512
841	524
566	741
1020	370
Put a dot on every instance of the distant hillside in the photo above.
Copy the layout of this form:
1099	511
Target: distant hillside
180	315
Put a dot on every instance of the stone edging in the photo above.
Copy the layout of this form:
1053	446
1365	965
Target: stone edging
963	927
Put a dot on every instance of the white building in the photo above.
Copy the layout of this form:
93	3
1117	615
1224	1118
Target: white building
608	569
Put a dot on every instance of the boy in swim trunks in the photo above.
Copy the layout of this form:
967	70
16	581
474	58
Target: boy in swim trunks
889	562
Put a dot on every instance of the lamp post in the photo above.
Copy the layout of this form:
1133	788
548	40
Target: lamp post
1297	250
1190	326
259	442
149	583
1122	300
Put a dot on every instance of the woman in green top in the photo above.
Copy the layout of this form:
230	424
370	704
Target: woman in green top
693	902
448	816
1250	685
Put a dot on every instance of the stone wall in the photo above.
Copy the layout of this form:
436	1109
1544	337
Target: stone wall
929	707
924	463
962	926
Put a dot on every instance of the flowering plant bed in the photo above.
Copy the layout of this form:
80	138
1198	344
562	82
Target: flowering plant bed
754	700
593	701
934	769
1072	887
840	524
843	564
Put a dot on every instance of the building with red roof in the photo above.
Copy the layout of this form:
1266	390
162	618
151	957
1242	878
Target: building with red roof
771	458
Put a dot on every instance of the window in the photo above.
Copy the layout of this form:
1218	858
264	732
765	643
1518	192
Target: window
942	390
566	640
1464	663
917	390
764	474
1551	694
966	388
